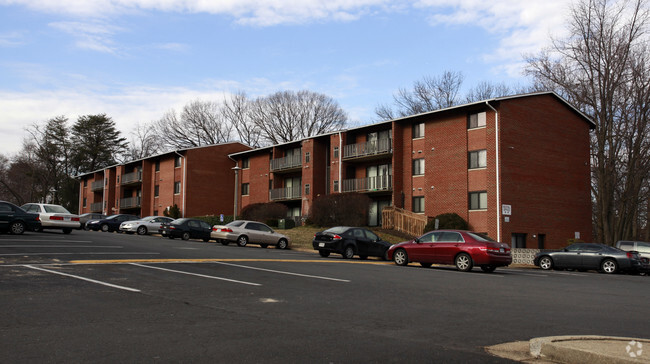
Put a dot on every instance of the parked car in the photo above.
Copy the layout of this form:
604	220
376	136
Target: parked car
84	218
16	220
350	241
642	247
588	256
111	223
243	232
53	216
464	249
146	225
186	228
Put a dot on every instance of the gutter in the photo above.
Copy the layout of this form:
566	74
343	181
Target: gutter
498	171
183	181
236	168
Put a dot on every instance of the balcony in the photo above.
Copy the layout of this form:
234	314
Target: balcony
96	207
286	193
287	164
368	150
132	178
368	184
97	185
130	203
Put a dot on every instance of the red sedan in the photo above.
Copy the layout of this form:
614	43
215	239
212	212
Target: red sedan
464	249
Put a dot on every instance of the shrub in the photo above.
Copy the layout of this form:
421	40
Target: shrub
264	211
174	212
349	209
450	220
215	219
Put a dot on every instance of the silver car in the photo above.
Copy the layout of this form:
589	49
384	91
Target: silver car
243	232
146	225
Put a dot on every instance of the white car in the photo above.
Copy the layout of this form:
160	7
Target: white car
54	216
243	232
146	225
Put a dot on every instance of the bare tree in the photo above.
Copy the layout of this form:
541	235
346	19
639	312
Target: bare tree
286	115
144	142
238	112
487	90
199	123
603	68
429	94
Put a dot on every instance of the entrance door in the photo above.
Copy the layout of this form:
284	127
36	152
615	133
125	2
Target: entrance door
373	214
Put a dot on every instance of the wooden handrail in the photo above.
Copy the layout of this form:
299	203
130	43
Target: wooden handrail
402	220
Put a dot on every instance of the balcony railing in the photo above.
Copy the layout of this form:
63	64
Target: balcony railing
97	185
292	161
133	177
286	193
379	146
130	202
96	207
368	184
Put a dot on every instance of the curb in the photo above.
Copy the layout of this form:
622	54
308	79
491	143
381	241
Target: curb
589	349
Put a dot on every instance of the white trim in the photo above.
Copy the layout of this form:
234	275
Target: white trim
498	163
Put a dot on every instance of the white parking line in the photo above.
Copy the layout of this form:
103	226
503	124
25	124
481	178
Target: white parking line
281	272
196	274
81	253
83	278
63	246
48	240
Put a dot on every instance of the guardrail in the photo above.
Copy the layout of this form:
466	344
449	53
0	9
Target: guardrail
286	193
368	184
291	161
379	146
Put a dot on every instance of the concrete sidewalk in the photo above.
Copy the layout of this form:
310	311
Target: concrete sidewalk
576	350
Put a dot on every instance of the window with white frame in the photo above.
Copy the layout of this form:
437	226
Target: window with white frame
418	204
418	167
245	189
476	120
477	159
245	163
177	188
418	130
478	200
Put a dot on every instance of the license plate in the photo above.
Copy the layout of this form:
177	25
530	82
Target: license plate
501	250
67	218
321	245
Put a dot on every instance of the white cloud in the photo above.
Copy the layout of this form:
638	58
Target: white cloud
94	36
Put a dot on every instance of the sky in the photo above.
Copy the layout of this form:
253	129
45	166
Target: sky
135	60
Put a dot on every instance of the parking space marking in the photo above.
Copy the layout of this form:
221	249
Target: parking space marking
282	272
80	253
82	278
213	260
196	274
63	246
48	240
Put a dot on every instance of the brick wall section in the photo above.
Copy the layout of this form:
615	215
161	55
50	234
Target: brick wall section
545	170
257	176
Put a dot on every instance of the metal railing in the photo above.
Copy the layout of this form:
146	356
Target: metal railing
368	184
96	207
133	177
379	146
129	202
291	161
286	193
97	185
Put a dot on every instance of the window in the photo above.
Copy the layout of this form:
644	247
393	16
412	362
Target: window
478	200
476	120
477	159
418	131
85	183
245	163
336	186
418	204
307	189
84	202
177	188
118	179
155	212
307	157
518	240
177	161
245	189
156	190
336	152
158	166
418	167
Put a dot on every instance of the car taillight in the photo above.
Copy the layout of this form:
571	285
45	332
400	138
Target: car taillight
38	218
336	237
56	218
75	219
226	230
631	255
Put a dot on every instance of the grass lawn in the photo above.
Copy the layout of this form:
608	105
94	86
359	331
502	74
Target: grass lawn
302	236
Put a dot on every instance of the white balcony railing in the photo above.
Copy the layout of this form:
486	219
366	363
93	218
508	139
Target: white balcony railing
368	184
379	146
291	161
129	202
286	193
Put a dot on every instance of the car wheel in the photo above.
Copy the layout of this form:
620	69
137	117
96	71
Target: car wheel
263	246
105	228
608	266
488	268
67	231
425	265
348	252
546	263
400	257
142	230
282	244
185	236
363	257
17	227
324	253
385	256
225	242
463	262
205	240
242	240
86	227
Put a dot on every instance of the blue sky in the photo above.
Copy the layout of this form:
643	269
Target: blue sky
136	59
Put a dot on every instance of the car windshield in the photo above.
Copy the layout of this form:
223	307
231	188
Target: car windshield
148	218
337	230
480	237
55	209
179	221
236	223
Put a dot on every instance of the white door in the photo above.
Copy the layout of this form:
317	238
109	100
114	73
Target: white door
373	214
371	173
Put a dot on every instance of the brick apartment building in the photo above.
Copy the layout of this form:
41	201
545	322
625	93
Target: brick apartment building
200	181
517	168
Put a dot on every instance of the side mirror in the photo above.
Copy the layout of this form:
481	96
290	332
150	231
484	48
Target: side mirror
416	240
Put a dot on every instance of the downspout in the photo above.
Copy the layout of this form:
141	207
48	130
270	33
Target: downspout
498	162
183	181
340	160
104	204
236	168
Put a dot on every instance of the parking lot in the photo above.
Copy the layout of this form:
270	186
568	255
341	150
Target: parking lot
107	297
